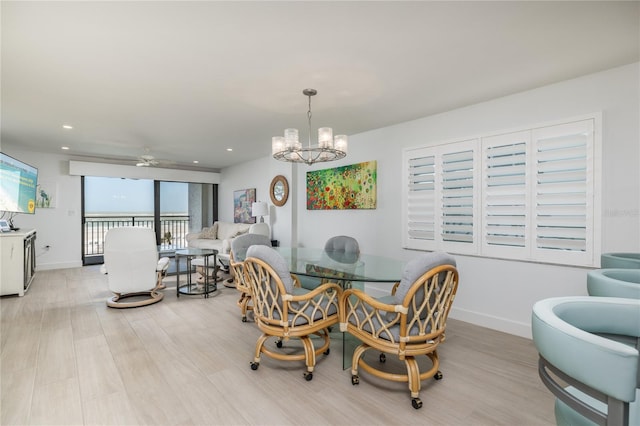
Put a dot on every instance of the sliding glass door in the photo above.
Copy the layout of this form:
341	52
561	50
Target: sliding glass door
172	209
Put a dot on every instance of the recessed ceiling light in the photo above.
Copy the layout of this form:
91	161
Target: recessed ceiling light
195	161
229	149
66	126
64	147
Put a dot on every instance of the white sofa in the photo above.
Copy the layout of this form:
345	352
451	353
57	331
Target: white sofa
218	236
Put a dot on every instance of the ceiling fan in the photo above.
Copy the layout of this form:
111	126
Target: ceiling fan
146	159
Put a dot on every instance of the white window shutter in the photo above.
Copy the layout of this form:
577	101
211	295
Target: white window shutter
505	197
419	175
530	194
459	197
563	220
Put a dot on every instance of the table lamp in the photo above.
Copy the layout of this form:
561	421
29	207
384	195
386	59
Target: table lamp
259	208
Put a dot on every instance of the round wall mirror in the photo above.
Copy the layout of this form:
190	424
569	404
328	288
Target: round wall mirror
279	190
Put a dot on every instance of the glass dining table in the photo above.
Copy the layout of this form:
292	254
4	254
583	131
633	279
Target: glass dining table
350	271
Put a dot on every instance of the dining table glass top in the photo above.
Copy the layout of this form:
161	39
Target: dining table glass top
315	262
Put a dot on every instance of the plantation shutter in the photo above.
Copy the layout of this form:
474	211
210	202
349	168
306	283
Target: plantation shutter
505	194
440	207
530	194
457	196
420	201
563	215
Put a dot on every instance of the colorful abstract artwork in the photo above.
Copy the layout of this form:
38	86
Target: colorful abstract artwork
242	201
341	188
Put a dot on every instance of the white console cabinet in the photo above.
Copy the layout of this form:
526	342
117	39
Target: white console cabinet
17	261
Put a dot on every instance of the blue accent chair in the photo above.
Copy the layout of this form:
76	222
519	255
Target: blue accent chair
602	375
614	283
620	260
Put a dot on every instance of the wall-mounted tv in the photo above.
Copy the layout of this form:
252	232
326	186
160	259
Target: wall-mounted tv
18	183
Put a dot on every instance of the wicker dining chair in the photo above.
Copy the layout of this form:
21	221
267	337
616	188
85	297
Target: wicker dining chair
340	248
240	244
409	323
284	310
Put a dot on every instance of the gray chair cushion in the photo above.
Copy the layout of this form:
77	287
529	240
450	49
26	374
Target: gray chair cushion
417	267
342	248
276	261
241	243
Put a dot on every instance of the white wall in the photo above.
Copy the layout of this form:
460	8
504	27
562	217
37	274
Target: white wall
258	174
494	293
59	227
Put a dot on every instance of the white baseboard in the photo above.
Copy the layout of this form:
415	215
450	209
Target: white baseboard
50	266
492	322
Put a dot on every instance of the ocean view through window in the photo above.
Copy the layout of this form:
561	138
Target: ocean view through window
114	202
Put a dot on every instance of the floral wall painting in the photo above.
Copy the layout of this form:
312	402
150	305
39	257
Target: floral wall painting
46	195
341	188
242	201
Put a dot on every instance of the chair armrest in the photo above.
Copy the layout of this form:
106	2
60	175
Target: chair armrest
353	301
324	288
316	306
371	301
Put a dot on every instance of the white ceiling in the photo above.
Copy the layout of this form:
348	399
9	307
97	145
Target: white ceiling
190	79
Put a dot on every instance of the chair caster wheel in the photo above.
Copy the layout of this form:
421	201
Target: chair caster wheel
438	375
308	376
255	365
327	352
355	380
383	358
279	343
244	319
416	402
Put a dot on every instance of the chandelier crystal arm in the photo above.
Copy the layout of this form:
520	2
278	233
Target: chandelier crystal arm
288	148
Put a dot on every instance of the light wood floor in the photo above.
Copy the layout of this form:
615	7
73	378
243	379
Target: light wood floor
68	359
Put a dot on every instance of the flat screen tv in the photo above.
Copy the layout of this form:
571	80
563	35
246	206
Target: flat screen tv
18	183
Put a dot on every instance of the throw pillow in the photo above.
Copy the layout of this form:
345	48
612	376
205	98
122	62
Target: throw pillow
209	233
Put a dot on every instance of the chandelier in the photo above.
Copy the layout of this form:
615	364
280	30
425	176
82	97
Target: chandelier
289	148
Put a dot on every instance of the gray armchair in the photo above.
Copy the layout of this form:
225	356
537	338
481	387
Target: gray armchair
602	375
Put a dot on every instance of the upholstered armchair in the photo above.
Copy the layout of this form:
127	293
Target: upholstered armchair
594	376
620	260
239	246
614	283
408	324
132	266
284	311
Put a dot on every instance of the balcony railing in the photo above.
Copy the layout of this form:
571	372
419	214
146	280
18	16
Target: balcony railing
173	229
